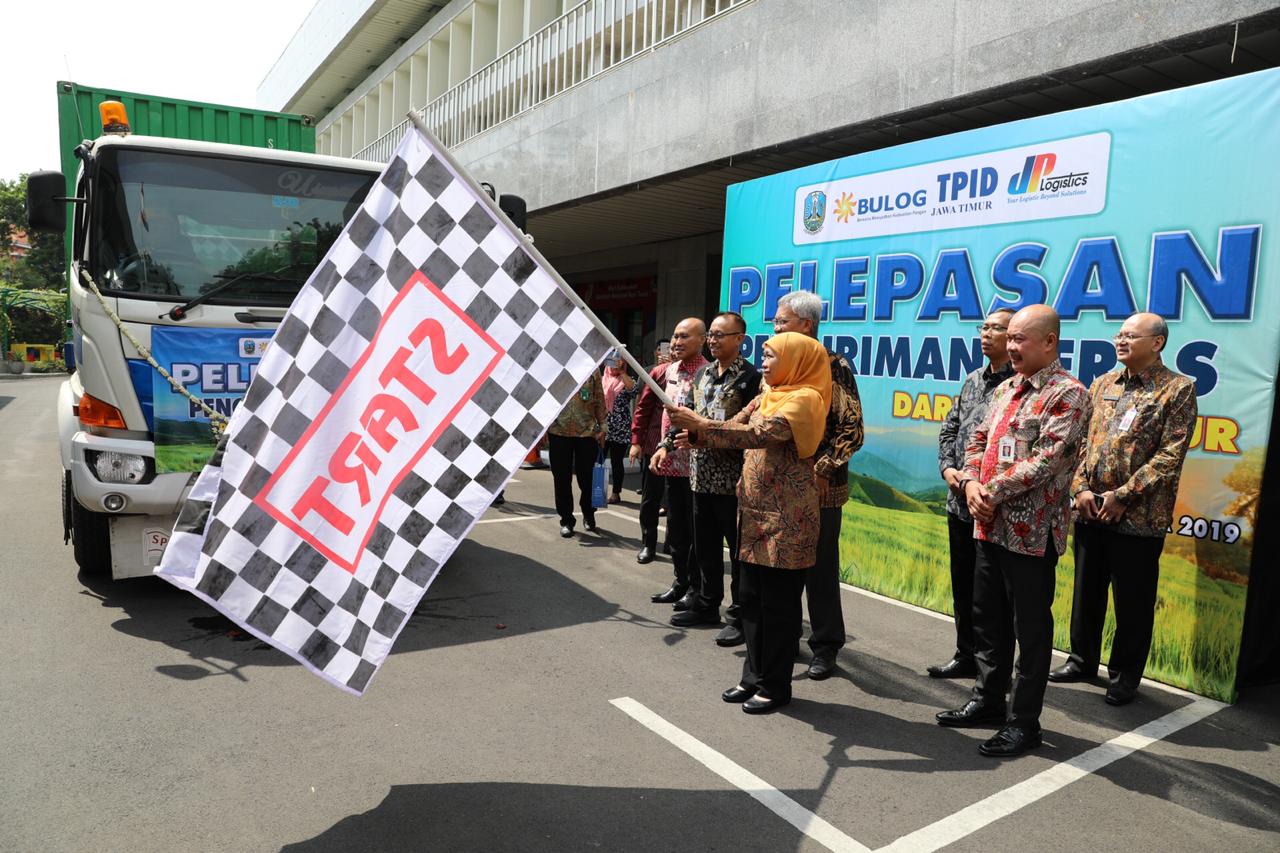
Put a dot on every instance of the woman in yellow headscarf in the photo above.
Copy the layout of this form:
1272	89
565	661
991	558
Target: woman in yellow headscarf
777	507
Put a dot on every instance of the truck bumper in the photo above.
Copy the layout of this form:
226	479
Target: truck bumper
140	531
137	543
162	496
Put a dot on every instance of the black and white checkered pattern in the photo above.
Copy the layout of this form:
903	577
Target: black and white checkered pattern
420	216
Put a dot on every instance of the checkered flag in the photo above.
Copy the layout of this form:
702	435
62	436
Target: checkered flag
418	365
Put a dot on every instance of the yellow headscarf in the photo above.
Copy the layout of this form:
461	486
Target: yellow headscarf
800	389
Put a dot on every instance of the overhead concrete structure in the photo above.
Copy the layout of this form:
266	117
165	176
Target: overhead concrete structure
621	122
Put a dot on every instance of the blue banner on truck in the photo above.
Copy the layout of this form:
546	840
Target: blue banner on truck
215	366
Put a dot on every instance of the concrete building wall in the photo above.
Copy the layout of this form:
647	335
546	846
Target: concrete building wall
773	71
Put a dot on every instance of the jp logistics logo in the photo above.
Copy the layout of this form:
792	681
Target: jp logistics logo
1037	176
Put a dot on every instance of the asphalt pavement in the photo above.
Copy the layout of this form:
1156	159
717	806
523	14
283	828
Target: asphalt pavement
538	702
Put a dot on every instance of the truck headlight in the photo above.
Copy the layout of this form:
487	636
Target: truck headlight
112	467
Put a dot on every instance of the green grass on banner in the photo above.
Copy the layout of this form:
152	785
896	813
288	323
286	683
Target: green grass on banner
904	555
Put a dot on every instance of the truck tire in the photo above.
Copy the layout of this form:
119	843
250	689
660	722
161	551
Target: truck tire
90	533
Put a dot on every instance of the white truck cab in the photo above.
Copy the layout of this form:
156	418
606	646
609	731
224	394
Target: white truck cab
198	249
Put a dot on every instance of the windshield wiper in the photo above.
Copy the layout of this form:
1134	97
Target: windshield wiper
178	313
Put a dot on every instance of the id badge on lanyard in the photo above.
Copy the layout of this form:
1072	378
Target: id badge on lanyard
1005	450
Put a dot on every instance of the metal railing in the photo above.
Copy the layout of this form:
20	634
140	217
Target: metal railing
581	44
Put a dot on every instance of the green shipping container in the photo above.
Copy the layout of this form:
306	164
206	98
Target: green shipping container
150	115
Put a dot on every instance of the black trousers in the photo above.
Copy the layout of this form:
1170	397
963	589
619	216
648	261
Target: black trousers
822	588
572	458
770	610
1130	565
652	490
1013	599
963	553
715	522
617	455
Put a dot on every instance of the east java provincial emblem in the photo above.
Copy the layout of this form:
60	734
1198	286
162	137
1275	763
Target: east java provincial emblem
815	211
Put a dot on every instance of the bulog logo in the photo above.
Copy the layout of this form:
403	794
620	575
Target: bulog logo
424	363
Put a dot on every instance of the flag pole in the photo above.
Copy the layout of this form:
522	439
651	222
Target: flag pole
527	245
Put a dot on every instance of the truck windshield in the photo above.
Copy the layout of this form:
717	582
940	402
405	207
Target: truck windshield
174	226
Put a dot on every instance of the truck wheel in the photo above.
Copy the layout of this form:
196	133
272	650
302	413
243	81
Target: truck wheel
90	534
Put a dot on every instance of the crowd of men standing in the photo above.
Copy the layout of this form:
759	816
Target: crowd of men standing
757	460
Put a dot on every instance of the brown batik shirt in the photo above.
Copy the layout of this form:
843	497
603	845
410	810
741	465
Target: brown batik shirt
778	517
1138	437
842	437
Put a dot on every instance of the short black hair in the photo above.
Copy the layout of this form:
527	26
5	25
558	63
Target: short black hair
733	315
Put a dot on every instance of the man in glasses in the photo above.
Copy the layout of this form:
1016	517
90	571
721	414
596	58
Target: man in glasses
969	411
801	311
1124	488
720	391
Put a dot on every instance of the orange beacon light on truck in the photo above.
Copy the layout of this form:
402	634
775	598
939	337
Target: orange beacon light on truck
114	117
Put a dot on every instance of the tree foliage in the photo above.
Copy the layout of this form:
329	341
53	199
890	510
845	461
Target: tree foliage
40	269
43	266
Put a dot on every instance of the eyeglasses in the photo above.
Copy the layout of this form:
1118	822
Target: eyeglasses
1124	337
991	327
715	336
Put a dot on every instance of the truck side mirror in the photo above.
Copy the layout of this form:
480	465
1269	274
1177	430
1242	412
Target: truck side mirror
46	202
516	210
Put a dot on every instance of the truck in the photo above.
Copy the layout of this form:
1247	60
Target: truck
189	230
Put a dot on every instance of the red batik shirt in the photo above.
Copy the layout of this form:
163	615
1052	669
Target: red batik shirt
1047	417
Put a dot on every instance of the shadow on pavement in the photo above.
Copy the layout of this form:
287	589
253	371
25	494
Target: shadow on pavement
482	593
495	817
1213	790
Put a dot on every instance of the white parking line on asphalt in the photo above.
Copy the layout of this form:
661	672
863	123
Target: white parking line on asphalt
735	774
963	823
1004	803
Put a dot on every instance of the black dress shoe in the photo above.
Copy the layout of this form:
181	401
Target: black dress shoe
645	555
1117	695
1070	672
666	549
693	616
730	635
671	596
760	704
954	668
1011	741
500	499
686	602
738	694
974	713
590	523
566	530
821	667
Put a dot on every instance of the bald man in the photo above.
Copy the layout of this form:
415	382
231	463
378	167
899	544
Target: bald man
1124	487
1016	482
670	472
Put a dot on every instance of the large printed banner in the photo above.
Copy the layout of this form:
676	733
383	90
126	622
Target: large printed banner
1166	203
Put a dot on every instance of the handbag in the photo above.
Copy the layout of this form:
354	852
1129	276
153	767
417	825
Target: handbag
599	483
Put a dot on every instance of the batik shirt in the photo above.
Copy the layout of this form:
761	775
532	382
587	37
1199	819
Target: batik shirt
842	437
1138	437
679	387
720	396
969	411
583	416
1045	418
